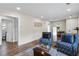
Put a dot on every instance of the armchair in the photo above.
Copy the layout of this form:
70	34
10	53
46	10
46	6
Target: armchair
46	39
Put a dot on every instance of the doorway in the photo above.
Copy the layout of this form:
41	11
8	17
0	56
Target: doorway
8	35
9	27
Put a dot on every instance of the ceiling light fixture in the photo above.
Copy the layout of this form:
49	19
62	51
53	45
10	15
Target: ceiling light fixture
67	3
68	9
41	16
70	16
18	8
3	24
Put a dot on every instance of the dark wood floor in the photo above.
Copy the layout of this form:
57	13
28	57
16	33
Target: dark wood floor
10	49
78	49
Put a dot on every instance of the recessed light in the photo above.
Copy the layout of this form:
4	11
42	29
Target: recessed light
56	19
70	16
18	8
4	25
68	9
41	16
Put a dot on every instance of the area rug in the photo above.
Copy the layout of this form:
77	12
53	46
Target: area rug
29	52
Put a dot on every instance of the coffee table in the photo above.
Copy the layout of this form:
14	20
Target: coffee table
40	52
52	51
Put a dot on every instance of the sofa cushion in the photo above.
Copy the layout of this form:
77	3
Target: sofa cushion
69	38
63	37
64	45
45	41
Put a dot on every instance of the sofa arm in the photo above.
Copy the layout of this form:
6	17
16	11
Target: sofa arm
58	42
75	45
40	40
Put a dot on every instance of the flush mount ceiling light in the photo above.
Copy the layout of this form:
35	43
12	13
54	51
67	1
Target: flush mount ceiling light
18	8
68	5
51	20
41	16
4	25
68	9
70	16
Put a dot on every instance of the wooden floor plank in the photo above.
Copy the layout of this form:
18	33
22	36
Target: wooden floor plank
10	49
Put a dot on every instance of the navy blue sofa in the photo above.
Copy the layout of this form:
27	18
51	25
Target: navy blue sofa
68	44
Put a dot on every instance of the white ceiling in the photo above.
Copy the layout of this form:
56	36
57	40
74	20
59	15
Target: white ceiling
50	11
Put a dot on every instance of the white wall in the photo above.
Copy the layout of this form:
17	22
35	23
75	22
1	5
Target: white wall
0	32
15	30
10	28
48	26
27	31
61	24
71	24
9	37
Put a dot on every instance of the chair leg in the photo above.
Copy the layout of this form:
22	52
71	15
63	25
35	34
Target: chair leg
76	52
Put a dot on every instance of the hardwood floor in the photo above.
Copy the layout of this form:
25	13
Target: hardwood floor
10	49
78	49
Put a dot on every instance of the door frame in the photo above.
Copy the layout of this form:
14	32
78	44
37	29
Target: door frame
8	17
